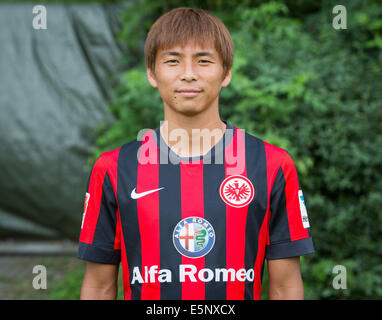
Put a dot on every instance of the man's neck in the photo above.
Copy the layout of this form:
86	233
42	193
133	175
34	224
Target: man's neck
192	136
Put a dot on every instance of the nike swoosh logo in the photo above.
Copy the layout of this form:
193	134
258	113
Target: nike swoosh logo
135	195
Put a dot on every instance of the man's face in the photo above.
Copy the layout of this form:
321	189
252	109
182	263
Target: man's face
178	70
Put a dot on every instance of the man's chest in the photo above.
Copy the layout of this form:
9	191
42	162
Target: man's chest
191	207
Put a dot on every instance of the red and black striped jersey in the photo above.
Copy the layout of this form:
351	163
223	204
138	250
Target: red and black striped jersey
194	228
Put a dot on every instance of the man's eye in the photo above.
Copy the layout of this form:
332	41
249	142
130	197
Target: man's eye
204	61
172	61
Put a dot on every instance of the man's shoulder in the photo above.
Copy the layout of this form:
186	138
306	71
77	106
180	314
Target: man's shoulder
276	157
110	157
271	150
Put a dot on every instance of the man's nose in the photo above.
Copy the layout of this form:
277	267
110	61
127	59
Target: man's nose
189	72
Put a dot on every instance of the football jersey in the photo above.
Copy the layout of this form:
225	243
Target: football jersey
197	227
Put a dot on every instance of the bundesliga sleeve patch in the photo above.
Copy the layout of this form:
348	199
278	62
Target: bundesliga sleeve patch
304	213
87	197
193	237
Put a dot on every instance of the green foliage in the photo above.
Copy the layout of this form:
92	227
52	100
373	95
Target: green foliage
302	85
137	106
70	287
44	2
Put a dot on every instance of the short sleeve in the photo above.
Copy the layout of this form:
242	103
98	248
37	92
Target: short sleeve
99	238
289	228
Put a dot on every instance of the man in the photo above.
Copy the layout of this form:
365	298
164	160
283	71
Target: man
194	207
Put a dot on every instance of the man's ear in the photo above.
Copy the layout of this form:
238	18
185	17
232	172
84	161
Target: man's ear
227	78
151	78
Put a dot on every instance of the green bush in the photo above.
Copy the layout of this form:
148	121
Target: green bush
302	85
70	287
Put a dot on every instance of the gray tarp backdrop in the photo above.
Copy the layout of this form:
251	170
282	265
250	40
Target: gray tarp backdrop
55	86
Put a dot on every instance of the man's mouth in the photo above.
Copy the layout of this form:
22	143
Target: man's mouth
189	93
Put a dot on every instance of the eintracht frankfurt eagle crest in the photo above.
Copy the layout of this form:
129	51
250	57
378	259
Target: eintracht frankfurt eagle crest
237	191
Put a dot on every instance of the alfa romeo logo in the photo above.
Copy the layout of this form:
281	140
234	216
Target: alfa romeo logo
237	191
193	237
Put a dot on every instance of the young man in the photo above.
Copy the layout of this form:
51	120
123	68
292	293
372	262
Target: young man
187	216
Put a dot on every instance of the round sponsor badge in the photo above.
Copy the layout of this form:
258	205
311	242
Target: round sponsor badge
237	191
193	237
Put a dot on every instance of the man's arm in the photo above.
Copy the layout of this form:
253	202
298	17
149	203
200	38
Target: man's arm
100	281
284	279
